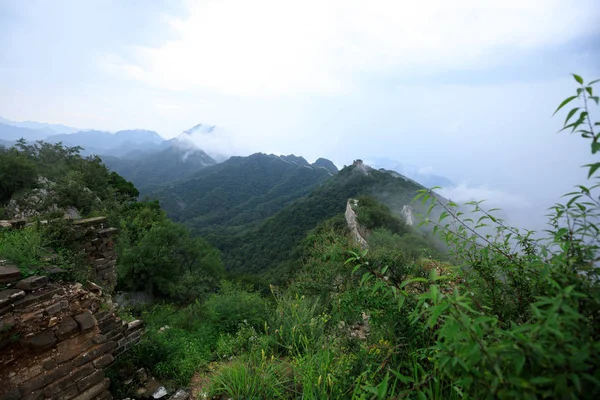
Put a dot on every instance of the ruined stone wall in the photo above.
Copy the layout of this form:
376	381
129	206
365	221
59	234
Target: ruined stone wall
97	242
57	337
353	225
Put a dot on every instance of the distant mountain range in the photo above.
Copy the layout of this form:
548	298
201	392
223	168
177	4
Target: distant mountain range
52	128
147	159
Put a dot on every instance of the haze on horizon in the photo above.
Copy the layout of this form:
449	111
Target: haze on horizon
464	89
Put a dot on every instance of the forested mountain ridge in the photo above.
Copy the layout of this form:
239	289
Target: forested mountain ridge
177	161
239	191
270	245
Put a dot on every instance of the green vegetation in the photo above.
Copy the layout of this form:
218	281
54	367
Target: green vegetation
488	316
148	171
273	247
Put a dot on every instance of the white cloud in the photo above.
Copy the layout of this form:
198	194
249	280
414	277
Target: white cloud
493	197
314	46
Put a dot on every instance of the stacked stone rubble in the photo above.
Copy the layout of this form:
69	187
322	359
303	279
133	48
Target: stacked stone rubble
55	337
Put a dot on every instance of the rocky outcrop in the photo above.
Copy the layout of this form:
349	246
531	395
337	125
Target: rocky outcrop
407	215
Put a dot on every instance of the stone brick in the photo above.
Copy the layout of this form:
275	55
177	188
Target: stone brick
38	297
105	396
27	374
56	307
133	325
90	380
94	391
63	383
45	379
71	348
134	337
67	393
32	283
8	296
66	328
41	341
94	353
9	273
103	361
86	321
99	339
102	315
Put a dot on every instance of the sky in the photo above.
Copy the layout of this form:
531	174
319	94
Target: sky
465	88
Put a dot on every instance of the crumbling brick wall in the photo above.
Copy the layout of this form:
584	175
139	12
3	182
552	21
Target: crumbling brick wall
57	337
97	241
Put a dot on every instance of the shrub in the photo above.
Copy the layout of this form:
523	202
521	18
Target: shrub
233	306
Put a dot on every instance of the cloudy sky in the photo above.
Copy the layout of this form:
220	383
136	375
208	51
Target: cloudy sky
463	88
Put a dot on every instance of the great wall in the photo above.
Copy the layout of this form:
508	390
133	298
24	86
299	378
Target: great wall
57	337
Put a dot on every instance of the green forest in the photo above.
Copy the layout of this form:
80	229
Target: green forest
261	292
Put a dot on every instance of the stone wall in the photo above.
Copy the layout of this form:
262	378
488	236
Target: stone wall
353	225
97	242
57	337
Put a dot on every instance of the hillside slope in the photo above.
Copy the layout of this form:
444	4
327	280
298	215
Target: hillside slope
270	245
155	169
230	196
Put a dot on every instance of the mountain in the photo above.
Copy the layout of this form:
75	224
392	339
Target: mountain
215	141
239	192
325	163
177	161
51	128
421	175
111	144
6	143
268	239
13	133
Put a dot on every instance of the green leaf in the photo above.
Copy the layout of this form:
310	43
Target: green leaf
578	78
596	99
589	90
594	81
595	147
445	214
593	168
571	113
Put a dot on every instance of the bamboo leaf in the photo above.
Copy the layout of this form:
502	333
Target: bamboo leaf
570	114
593	168
578	79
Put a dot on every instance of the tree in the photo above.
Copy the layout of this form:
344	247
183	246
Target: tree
16	173
169	262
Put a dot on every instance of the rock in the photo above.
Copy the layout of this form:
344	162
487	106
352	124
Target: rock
142	375
8	296
180	395
42	341
9	273
66	328
159	393
32	283
85	321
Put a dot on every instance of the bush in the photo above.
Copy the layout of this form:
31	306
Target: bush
521	318
233	306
